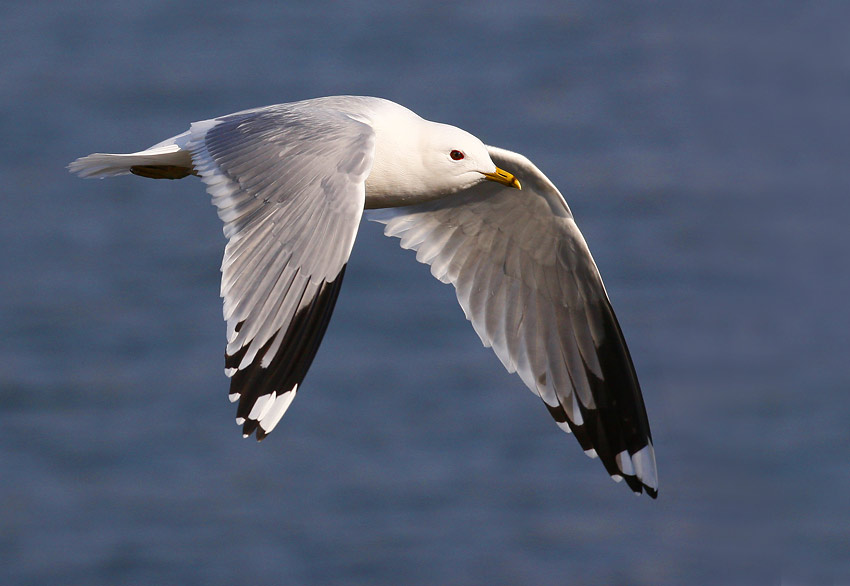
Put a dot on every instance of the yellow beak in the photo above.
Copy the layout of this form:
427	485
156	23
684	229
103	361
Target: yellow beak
503	177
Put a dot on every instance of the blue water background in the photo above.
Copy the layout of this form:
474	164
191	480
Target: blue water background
703	148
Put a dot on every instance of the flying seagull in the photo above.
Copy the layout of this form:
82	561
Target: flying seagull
291	182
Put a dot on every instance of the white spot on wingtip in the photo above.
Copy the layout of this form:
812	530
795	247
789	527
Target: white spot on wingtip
233	397
591	453
262	406
240	421
616	478
565	426
245	435
624	463
644	464
274	414
229	372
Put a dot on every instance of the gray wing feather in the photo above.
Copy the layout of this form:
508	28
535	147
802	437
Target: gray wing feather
289	185
526	280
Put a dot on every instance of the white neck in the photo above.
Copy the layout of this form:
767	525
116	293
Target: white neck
396	176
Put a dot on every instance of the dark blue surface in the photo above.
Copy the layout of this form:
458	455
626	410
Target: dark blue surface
703	148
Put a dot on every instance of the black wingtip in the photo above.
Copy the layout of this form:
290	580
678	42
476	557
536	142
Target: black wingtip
638	487
287	369
592	438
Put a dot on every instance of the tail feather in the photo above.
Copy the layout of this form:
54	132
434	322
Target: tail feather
168	156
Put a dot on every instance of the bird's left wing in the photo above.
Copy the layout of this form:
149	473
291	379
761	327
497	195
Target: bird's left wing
289	184
526	280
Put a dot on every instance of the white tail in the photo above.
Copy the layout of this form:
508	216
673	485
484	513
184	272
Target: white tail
169	154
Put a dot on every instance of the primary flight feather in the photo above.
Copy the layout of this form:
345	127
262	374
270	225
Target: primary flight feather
291	182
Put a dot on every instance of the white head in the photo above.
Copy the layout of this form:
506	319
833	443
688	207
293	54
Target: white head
457	160
417	160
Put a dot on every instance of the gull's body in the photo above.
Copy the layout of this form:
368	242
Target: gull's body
291	182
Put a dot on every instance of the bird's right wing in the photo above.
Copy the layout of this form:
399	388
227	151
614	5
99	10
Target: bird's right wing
289	184
526	280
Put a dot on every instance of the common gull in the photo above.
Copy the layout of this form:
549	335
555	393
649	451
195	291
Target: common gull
291	183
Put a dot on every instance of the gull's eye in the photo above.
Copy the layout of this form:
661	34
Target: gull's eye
456	155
